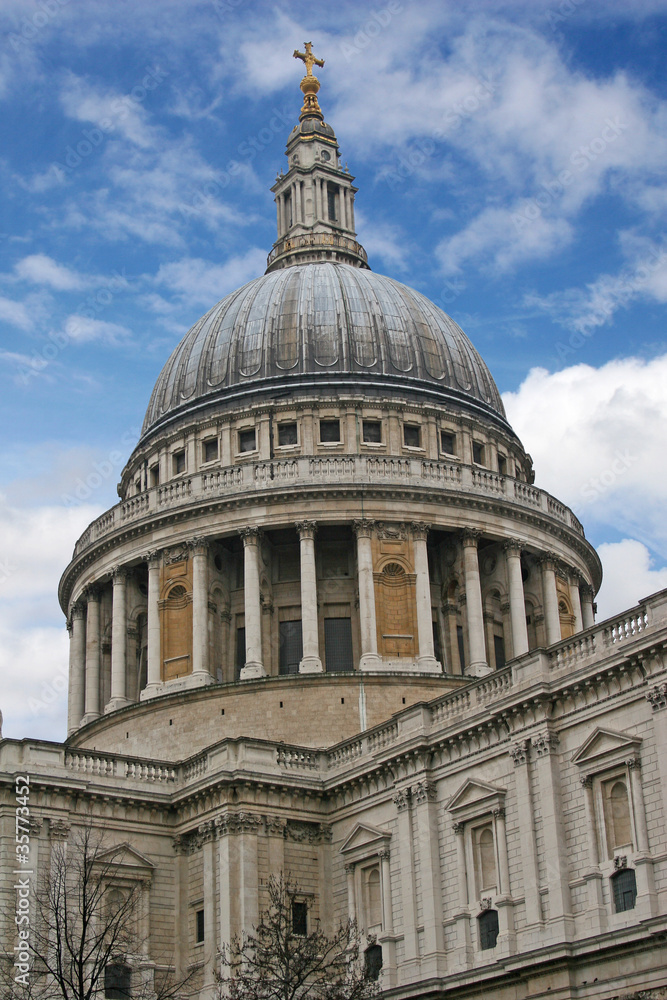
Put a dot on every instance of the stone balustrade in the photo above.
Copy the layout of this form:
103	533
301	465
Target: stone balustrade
309	471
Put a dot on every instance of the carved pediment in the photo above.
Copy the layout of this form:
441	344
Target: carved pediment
475	798
126	859
364	841
604	748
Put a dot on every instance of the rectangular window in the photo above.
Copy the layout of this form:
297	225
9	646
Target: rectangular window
179	462
502	465
117	981
462	652
372	431
329	431
625	890
447	443
154	475
287	433
247	441
199	926
299	918
240	649
288	210
291	647
499	650
478	453
338	644
412	436
210	450
437	645
137	486
332	198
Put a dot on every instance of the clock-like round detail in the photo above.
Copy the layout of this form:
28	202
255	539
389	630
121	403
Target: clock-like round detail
324	155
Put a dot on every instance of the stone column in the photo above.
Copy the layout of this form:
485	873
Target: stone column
647	900
461	913
408	898
433	940
118	641
298	215
426	659
596	914
370	660
310	661
575	600
351	206
154	653
517	598
77	666
351	902
387	939
200	639
544	746
586	597
550	595
252	604
478	666
504	904
524	800
93	660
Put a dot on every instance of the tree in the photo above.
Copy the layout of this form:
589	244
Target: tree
84	938
285	959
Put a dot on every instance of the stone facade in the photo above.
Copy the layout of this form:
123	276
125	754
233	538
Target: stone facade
333	629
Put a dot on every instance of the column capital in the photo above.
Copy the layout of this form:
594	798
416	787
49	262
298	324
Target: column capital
119	574
458	828
306	529
657	697
384	854
198	546
92	593
78	610
349	869
544	743
470	537
424	791
420	530
152	557
586	780
59	829
519	752
250	534
586	590
402	799
548	560
633	763
363	527
512	546
499	813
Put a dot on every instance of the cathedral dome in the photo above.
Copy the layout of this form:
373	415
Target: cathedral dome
318	324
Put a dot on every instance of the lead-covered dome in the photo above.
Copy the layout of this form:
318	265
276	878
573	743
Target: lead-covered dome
318	323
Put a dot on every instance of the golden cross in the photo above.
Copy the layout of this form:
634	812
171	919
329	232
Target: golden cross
308	58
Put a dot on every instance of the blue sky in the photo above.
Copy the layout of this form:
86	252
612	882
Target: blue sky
511	162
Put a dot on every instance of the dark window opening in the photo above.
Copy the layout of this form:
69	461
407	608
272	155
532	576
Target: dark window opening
447	442
288	210
299	918
437	645
372	431
291	647
373	962
332	199
462	652
412	435
287	433
502	465
625	890
240	649
137	486
499	650
488	929
179	462
154	475
199	926
478	453
338	644
247	440
329	431
117	981
211	450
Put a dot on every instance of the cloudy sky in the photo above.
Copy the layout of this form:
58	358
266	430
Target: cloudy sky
511	160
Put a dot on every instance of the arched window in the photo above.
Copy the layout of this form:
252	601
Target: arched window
488	929
374	896
486	859
618	825
117	981
624	885
373	962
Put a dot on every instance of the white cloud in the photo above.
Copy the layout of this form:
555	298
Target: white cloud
110	112
43	270
16	313
198	282
629	576
83	328
597	439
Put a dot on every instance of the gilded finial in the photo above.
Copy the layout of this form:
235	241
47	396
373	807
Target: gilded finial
310	84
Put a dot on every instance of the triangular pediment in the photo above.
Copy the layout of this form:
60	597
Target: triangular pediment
124	856
605	743
473	794
363	837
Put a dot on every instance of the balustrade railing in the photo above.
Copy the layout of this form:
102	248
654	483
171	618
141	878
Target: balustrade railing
261	476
